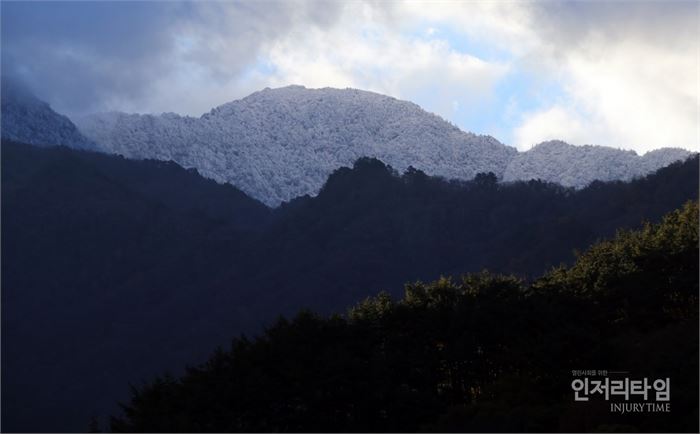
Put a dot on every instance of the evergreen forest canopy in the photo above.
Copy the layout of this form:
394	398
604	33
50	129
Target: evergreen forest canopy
165	265
484	353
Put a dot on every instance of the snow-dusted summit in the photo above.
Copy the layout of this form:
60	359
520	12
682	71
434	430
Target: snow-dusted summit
578	166
278	144
27	119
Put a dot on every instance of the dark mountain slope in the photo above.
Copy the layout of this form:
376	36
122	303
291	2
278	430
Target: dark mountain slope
485	353
99	258
114	270
378	229
182	190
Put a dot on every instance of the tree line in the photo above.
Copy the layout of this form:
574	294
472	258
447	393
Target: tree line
485	352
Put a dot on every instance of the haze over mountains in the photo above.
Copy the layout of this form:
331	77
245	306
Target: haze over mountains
278	144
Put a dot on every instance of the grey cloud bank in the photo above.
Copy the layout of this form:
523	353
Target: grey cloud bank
90	56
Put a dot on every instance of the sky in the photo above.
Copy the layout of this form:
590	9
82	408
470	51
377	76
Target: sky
618	73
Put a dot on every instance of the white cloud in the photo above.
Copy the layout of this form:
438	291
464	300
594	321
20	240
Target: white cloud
627	73
554	123
629	84
624	94
365	52
623	74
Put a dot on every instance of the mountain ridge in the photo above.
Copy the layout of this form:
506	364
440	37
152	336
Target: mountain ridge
45	126
164	266
279	144
578	166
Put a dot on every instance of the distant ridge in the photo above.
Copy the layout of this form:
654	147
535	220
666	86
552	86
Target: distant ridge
279	144
578	166
27	119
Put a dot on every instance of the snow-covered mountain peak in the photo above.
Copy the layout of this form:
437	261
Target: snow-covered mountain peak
277	144
26	118
578	166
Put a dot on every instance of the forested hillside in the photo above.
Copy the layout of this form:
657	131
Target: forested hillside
99	257
378	229
28	119
277	144
114	270
482	353
349	216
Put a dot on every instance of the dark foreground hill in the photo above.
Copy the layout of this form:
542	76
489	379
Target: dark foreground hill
378	228
488	353
99	256
114	270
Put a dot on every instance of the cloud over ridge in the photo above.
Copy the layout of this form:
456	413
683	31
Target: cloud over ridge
621	74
